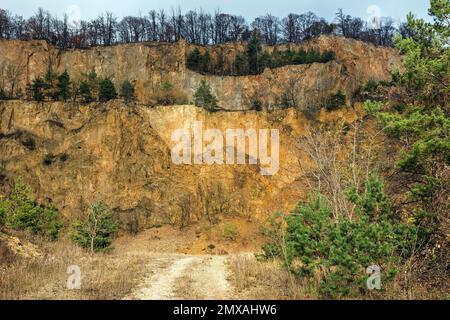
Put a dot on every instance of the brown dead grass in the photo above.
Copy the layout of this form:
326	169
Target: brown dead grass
257	280
266	280
103	276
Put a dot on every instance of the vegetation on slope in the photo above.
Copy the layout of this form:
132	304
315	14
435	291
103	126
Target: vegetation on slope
196	26
254	60
21	212
354	218
334	237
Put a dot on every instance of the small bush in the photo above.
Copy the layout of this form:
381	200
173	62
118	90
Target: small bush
96	231
328	56
64	86
341	250
230	231
371	86
48	160
167	95
193	59
86	92
127	91
37	89
132	223
311	113
29	143
64	157
372	107
336	101
22	212
204	97
107	90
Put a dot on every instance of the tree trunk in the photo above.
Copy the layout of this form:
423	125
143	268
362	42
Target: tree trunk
92	244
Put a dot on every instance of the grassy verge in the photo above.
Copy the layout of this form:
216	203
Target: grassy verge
103	276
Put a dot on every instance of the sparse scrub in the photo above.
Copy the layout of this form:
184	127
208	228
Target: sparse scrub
205	98
107	90
254	60
168	95
86	92
22	212
266	280
186	204
214	200
9	79
230	231
132	223
336	101
96	231
342	249
29	143
127	91
104	276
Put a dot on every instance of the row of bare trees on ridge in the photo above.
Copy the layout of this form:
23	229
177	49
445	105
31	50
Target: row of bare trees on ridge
196	26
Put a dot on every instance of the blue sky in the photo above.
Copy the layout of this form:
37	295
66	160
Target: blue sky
249	9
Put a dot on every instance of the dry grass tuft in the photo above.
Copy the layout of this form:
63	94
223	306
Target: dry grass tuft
269	281
265	280
103	276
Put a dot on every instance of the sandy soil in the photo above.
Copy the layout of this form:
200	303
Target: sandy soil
185	277
173	274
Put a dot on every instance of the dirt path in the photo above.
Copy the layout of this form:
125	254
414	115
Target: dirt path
185	277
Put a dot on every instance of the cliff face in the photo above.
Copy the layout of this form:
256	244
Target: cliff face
73	155
149	64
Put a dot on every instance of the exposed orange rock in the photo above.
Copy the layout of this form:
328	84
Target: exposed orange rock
149	64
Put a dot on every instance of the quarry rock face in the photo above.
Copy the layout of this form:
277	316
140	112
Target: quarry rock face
72	155
148	65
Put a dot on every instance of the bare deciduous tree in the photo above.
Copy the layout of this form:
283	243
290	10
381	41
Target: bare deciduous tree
195	26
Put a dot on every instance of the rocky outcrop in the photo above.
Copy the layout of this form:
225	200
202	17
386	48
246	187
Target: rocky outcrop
73	155
149	64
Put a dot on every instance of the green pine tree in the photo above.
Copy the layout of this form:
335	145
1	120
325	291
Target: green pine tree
107	90
427	56
315	242
336	101
421	123
240	65
86	91
193	59
96	231
204	97
22	212
127	91
37	89
205	62
64	86
253	52
51	85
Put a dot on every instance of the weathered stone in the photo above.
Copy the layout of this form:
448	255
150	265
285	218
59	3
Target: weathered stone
149	64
